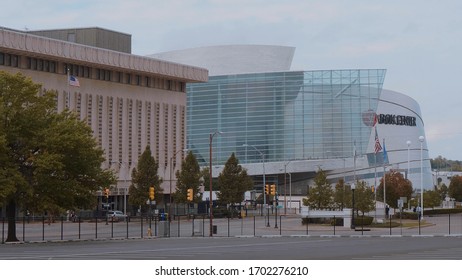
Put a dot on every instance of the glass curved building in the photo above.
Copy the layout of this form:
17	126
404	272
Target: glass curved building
285	115
284	124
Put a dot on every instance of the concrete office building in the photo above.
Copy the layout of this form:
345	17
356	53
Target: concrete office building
286	125
129	101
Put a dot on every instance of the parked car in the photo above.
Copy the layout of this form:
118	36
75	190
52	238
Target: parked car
114	215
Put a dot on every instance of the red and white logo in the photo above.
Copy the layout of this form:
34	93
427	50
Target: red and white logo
369	118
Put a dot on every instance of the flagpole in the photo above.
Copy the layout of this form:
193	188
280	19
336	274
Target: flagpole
375	185
377	148
384	178
354	162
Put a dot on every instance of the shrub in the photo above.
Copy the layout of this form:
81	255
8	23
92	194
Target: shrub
363	220
223	212
336	221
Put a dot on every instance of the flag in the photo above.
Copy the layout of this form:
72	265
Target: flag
378	147
385	155
73	81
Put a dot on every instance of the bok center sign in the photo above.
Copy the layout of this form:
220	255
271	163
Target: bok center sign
396	119
370	118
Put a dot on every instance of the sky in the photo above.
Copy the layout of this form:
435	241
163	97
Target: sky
418	42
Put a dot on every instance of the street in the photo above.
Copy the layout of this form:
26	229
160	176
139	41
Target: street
245	248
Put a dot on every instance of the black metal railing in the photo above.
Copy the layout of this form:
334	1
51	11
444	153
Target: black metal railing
42	229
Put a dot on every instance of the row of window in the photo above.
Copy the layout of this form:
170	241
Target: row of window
38	64
132	123
9	59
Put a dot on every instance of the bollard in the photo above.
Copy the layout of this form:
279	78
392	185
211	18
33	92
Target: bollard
253	225
449	223
23	228
280	225
334	225
96	227
62	227
43	228
126	220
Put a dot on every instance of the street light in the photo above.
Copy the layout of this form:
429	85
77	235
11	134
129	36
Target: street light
421	139
210	186
285	189
353	208
408	143
121	164
171	171
264	176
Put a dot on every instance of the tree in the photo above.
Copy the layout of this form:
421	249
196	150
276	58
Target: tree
395	187
441	163
455	188
320	196
188	178
145	176
342	195
364	198
432	198
234	182
50	161
443	190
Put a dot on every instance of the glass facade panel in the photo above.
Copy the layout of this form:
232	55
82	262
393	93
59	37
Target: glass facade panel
285	115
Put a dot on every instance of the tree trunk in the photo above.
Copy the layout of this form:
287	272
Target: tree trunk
11	216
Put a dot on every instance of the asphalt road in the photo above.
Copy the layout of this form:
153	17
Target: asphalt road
244	248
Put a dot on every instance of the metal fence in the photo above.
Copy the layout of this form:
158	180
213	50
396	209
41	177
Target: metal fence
40	229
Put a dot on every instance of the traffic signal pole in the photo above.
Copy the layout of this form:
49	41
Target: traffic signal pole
151	198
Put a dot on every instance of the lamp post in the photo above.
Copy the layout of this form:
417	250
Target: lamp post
353	206
171	171
421	139
264	177
290	188
285	189
408	143
121	164
210	185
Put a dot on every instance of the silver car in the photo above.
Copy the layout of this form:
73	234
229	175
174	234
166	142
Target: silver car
115	215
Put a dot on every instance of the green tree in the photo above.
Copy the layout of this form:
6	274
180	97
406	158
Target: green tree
145	176
364	198
206	176
455	188
50	161
188	178
432	198
342	195
396	186
443	190
320	196
234	182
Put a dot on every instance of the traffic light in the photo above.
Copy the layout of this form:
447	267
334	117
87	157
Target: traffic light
151	193
267	189
273	190
190	195
106	192
373	189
